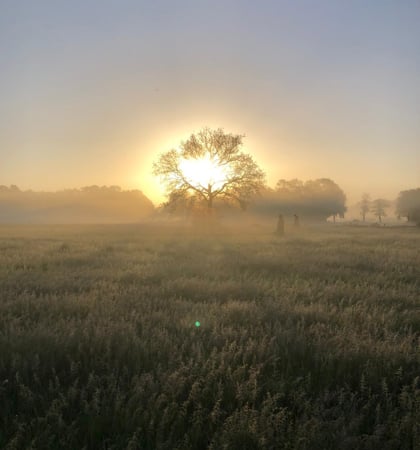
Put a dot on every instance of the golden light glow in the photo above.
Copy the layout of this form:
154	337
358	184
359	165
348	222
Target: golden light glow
205	171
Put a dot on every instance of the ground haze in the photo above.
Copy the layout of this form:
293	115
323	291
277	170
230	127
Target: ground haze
310	341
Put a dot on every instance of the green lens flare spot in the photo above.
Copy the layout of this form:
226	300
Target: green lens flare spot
197	323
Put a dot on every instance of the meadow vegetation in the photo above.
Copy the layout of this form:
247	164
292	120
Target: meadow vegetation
310	341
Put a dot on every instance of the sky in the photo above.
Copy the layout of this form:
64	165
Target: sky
92	91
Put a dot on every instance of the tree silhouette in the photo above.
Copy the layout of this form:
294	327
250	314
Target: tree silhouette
408	205
378	207
209	166
364	206
313	199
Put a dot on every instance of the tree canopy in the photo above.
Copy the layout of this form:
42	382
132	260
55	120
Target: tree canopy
365	205
379	206
317	199
408	205
208	166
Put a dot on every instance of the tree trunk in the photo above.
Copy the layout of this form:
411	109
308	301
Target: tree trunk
209	198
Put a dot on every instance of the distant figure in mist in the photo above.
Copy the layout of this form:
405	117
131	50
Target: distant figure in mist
296	220
280	225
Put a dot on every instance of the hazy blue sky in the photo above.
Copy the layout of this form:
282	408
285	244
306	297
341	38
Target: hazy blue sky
91	91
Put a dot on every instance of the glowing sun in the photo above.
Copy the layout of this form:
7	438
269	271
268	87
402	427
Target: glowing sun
204	171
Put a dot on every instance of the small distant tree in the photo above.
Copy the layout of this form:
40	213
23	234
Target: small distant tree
408	205
364	206
378	208
208	166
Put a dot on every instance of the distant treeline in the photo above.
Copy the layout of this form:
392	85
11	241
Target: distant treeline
90	204
315	199
312	200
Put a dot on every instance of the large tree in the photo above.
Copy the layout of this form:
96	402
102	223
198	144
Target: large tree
208	166
408	205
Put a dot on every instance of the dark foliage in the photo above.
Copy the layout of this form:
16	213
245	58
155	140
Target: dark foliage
241	179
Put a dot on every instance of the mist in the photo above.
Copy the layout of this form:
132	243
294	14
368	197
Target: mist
91	204
314	201
209	225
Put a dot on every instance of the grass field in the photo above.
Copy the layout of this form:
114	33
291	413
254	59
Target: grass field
311	341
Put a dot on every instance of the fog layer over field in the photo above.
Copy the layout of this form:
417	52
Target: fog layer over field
309	341
91	204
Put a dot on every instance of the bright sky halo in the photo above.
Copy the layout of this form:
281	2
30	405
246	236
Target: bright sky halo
204	171
79	109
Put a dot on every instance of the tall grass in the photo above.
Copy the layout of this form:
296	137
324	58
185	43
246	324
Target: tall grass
306	342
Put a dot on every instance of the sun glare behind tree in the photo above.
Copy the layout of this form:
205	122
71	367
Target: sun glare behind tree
204	172
210	165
